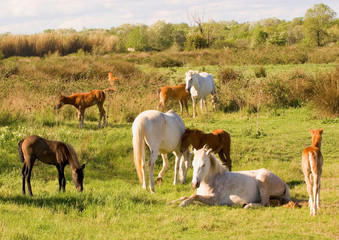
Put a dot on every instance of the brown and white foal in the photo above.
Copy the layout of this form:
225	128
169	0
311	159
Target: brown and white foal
312	162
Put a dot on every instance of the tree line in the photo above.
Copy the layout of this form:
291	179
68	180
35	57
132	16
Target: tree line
318	27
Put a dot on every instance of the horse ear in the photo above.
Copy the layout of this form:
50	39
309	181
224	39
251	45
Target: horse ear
321	130
83	166
209	151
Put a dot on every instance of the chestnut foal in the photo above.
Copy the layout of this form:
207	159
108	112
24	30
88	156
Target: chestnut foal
312	162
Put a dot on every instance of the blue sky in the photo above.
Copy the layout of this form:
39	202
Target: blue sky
35	16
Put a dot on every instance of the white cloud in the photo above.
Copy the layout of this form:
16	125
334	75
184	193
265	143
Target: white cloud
31	16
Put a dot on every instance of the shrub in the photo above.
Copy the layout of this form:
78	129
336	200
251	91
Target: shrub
228	74
260	72
325	99
195	41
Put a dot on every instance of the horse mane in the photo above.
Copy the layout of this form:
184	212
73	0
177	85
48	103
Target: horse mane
216	165
66	152
73	155
192	72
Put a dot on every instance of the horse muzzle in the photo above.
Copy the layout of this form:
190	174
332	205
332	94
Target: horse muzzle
195	184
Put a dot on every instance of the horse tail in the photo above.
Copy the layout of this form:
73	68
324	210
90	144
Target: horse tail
138	130
21	155
158	92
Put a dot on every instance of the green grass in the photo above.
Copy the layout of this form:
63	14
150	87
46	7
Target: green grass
114	206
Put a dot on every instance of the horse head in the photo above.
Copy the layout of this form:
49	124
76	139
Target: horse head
316	137
60	102
189	80
215	101
201	165
78	177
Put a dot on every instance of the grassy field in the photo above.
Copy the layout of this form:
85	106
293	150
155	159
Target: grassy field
113	205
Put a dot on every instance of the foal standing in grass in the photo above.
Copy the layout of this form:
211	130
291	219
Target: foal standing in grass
81	101
173	93
55	153
312	162
218	140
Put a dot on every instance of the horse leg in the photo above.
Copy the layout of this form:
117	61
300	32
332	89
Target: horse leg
62	180
164	167
226	151
181	106
223	159
315	192
183	168
264	193
186	106
252	205
102	115
23	172
208	200
310	191
194	109
176	167
28	179
81	116
151	163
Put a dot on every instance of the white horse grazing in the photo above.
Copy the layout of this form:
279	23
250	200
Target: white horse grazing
162	133
200	86
216	185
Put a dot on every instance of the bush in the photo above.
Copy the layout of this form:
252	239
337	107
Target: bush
325	98
228	74
195	41
260	72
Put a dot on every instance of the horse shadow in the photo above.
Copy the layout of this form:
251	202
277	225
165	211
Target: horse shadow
292	184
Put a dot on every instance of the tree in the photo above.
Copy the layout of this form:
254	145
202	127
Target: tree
316	22
137	38
160	35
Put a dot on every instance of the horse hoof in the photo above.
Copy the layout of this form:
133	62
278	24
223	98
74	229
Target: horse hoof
159	181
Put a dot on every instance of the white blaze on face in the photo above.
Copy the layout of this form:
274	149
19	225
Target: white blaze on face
200	167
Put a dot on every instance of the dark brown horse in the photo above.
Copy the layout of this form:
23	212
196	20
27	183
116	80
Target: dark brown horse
55	153
81	101
218	140
173	93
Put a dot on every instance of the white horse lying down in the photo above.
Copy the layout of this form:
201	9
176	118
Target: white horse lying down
162	133
200	85
216	185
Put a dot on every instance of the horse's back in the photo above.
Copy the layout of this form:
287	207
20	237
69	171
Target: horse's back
38	147
274	184
206	85
238	188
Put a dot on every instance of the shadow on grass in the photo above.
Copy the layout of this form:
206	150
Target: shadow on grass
61	202
66	203
294	183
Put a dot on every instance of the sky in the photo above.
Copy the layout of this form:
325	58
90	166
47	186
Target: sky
35	16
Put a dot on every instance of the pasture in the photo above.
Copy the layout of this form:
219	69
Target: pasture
113	204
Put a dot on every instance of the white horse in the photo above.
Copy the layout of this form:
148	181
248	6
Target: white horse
200	86
162	133
216	185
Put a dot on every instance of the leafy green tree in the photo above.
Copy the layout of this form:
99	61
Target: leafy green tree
160	35
137	38
316	22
